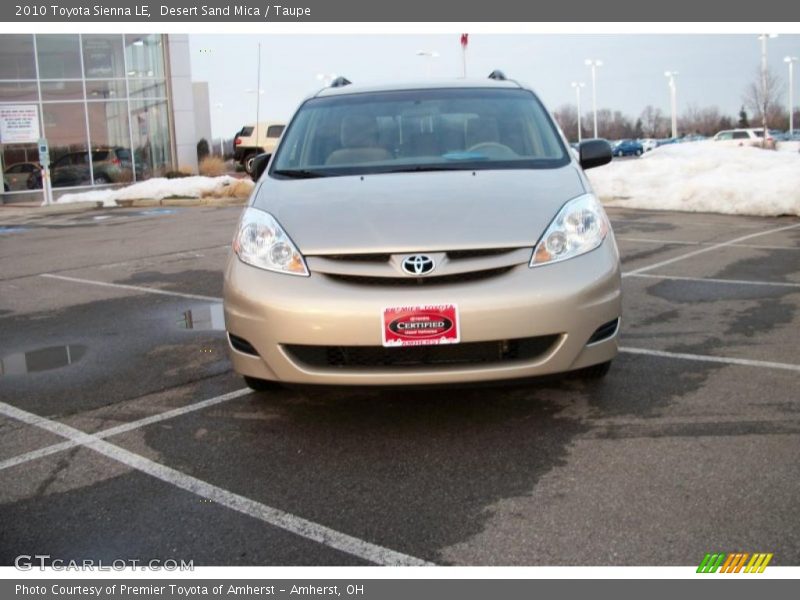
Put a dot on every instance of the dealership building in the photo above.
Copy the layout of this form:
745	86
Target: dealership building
113	108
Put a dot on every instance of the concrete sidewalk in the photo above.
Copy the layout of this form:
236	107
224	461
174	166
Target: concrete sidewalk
22	211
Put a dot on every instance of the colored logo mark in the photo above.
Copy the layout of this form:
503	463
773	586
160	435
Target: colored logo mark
734	562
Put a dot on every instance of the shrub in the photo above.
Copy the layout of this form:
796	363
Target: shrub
212	166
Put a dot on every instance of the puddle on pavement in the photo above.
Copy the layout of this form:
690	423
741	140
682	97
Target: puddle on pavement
42	359
11	229
205	318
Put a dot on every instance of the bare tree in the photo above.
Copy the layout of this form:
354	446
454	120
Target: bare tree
567	117
697	120
653	122
755	98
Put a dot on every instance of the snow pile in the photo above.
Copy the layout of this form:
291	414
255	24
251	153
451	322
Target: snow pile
704	177
159	188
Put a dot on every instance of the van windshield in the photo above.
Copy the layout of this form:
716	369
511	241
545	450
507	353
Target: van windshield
419	130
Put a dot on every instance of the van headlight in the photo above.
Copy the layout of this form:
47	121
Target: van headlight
261	242
579	227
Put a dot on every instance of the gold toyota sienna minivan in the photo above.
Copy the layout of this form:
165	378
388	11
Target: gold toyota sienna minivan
423	234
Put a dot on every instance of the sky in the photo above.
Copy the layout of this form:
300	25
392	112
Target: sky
713	69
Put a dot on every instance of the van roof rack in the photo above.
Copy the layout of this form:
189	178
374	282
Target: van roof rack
497	75
340	82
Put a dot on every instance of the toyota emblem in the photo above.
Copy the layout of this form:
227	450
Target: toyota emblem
418	264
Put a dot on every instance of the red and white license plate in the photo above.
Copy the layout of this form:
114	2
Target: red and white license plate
426	325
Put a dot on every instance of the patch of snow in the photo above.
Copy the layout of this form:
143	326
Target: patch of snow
157	188
704	177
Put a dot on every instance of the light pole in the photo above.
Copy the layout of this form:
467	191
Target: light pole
790	60
218	106
593	63
578	85
673	99
429	55
764	37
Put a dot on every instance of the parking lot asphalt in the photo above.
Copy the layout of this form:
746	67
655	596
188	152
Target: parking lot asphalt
124	434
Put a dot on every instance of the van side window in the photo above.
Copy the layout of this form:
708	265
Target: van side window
274	131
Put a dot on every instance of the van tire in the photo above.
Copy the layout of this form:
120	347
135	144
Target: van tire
261	385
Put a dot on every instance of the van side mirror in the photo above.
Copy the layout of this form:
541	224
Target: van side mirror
260	163
594	153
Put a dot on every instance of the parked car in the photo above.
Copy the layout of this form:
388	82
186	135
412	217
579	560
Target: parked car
649	144
110	165
742	137
405	235
246	147
17	177
628	148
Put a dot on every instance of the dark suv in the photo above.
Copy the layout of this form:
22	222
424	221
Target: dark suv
110	165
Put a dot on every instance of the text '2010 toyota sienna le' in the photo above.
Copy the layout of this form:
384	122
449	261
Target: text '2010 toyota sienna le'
423	234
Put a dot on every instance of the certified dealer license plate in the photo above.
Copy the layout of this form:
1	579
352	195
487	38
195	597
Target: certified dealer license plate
426	325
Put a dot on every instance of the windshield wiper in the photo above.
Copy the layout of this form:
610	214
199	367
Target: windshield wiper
415	168
299	173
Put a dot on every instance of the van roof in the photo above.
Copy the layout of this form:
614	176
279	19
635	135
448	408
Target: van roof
418	85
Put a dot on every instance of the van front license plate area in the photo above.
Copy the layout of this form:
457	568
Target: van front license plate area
424	325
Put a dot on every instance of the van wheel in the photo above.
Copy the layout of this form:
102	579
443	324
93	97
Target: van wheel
638	153
595	371
261	385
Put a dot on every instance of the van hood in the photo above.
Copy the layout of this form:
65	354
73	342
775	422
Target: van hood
414	212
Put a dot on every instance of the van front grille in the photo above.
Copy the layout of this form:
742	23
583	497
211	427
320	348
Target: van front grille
470	353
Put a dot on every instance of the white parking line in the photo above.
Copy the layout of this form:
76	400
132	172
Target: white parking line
711	248
715	280
267	514
714	359
61	446
625	238
135	288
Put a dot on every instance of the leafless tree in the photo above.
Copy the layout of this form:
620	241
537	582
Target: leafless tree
696	120
654	123
755	98
567	117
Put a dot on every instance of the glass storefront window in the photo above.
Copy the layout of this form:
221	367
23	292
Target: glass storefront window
148	88
110	142
151	139
62	90
101	89
18	61
103	56
65	130
102	101
145	55
21	175
59	56
18	91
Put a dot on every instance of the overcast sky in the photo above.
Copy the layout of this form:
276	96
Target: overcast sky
713	69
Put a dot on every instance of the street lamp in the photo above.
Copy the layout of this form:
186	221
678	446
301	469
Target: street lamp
673	92
593	63
578	85
218	106
764	37
429	55
790	60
